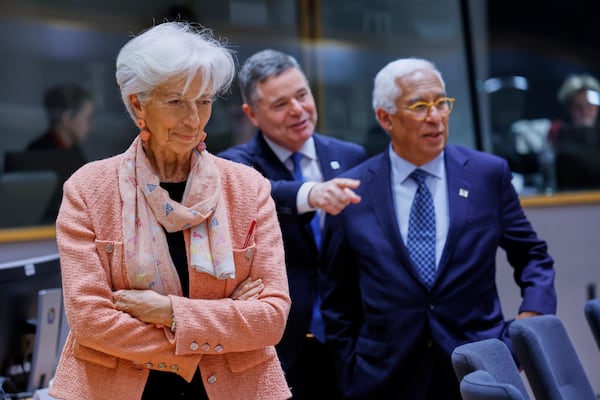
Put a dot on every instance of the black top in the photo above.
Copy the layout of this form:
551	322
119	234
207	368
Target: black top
175	239
167	385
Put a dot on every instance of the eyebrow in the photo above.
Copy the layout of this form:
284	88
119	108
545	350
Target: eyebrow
421	98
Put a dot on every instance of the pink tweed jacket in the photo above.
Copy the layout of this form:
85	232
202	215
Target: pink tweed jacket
108	353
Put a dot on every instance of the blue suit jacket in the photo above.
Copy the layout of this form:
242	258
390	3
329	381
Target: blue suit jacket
382	320
300	249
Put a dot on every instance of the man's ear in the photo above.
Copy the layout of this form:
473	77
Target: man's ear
250	114
383	117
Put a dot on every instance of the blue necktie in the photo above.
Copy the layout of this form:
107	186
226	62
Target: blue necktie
317	326
315	223
421	229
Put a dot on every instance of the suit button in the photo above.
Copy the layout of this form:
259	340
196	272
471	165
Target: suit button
148	365
194	346
174	367
109	248
248	253
431	307
162	366
218	348
212	379
430	343
205	347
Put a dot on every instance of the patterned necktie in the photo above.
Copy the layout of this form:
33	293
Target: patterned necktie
317	326
421	229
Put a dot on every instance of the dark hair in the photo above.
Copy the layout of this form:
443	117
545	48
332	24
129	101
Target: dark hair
259	67
61	98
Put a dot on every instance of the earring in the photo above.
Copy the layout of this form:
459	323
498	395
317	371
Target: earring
144	133
201	146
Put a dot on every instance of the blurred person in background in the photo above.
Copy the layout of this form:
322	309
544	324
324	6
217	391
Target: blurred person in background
70	112
576	139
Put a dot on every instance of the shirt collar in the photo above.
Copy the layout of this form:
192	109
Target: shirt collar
307	150
403	168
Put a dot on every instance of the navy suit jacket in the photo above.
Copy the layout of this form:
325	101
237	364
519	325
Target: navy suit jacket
380	317
301	254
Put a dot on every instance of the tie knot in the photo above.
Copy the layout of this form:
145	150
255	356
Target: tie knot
297	172
418	175
296	157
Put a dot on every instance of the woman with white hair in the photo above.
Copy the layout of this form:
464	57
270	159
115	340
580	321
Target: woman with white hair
173	266
579	95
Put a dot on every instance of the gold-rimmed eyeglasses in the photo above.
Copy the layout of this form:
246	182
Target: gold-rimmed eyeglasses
420	109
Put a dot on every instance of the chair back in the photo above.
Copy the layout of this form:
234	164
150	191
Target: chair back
492	356
480	385
592	314
26	196
551	363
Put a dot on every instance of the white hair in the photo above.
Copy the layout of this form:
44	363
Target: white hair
574	83
170	50
385	88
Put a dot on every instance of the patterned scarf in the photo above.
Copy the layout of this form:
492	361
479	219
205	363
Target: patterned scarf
147	208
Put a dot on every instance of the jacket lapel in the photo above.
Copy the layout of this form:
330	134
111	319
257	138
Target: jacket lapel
378	181
459	189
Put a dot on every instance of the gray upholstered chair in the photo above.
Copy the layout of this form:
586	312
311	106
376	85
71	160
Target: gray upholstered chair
592	314
492	356
481	385
25	197
551	363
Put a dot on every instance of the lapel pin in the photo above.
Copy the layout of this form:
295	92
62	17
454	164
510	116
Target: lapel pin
334	165
463	193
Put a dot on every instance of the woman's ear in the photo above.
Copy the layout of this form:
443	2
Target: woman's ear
137	105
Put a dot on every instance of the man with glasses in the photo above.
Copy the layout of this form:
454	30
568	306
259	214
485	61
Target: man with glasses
410	269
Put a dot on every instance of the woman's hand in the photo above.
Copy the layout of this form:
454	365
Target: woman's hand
145	305
248	289
154	308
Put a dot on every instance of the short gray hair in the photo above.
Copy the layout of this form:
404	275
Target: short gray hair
173	49
385	89
261	66
574	83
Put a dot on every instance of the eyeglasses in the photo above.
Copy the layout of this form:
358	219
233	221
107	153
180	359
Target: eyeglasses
420	109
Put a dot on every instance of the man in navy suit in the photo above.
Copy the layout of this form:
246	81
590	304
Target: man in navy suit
392	327
278	100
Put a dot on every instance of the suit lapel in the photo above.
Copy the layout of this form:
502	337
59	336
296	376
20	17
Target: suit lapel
267	161
382	205
329	161
459	188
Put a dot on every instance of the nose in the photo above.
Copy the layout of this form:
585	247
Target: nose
192	117
433	114
296	107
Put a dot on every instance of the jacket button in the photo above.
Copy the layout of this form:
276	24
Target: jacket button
205	347
194	346
218	348
212	379
162	366
148	365
109	248
174	368
248	253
